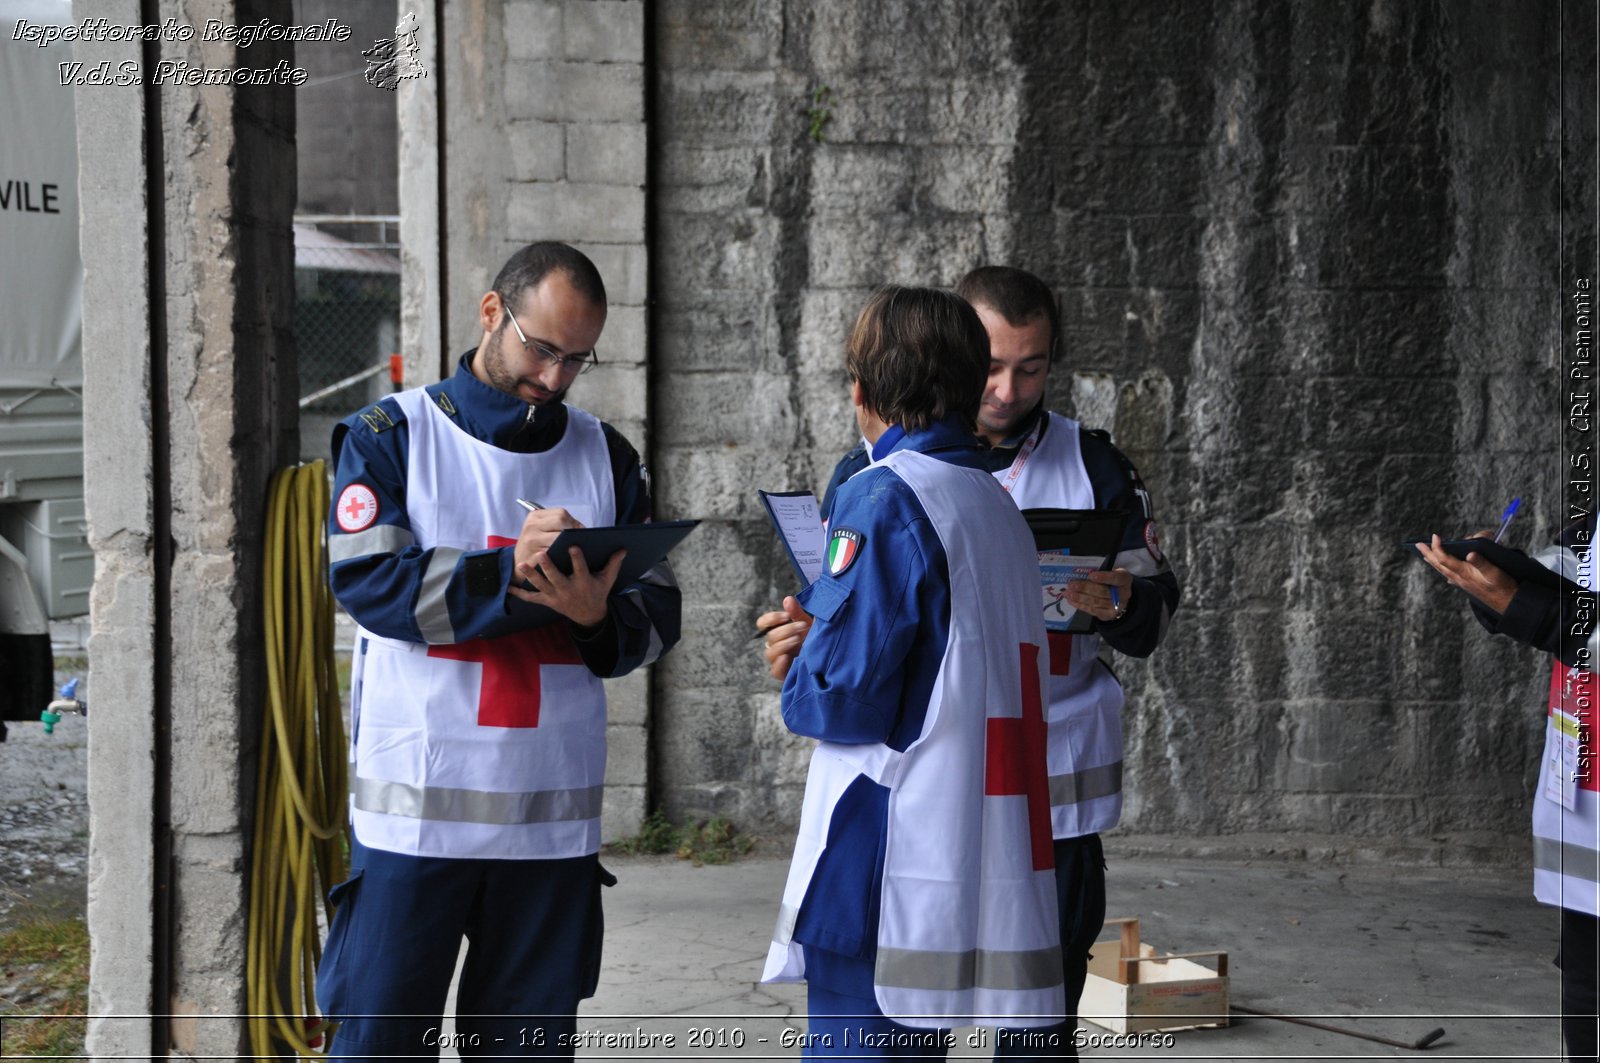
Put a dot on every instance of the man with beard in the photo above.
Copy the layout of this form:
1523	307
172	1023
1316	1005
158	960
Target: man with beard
1045	460
478	716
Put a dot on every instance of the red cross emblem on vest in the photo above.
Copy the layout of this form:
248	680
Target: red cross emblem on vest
508	694
1015	760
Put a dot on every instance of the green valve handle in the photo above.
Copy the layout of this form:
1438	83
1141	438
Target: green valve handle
67	701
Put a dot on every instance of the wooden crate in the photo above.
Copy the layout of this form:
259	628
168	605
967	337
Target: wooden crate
1132	988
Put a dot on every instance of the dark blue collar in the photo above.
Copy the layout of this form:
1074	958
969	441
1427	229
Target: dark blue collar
948	434
491	415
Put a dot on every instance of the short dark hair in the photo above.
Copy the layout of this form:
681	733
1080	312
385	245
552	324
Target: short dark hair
1014	294
533	263
920	355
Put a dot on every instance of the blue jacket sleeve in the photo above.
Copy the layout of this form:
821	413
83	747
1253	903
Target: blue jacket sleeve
867	667
1156	591
643	619
392	586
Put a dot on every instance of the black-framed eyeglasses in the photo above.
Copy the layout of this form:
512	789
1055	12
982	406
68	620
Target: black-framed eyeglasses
578	363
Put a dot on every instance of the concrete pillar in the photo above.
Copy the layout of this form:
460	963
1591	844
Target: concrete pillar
543	138
189	364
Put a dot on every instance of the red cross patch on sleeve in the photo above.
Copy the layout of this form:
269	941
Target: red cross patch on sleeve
357	508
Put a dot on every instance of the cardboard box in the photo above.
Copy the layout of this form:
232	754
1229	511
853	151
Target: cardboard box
1133	988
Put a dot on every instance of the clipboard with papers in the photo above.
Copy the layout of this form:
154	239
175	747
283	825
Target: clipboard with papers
1072	543
646	544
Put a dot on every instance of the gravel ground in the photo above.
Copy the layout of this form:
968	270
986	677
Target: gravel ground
44	819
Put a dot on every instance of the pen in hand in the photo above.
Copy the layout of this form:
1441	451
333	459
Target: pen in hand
1505	518
529	506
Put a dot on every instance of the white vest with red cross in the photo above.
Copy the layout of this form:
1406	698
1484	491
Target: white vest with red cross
967	928
1566	842
1085	712
493	747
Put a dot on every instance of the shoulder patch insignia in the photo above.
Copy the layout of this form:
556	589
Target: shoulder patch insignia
378	419
1152	540
443	402
357	508
844	546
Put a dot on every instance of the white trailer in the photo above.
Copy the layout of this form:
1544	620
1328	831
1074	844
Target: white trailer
46	566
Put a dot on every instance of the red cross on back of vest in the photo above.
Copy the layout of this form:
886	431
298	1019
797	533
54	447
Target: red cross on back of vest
508	695
1015	760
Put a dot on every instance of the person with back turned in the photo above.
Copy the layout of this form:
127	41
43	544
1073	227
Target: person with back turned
921	892
1045	460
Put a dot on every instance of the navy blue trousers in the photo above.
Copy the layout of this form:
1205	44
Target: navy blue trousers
1081	902
1579	961
533	930
843	1017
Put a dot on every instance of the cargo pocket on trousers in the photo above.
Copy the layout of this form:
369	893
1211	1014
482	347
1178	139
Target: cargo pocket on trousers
333	980
594	935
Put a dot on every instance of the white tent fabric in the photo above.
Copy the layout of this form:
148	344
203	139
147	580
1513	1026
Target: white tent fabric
41	274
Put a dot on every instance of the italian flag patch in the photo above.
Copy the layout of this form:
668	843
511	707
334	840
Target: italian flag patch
844	546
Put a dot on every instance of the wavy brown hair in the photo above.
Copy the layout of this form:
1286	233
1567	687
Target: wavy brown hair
920	355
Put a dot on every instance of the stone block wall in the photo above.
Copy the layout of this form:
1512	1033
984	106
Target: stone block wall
807	153
1307	263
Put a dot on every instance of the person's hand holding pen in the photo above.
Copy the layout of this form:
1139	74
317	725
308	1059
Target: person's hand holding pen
1104	595
785	632
1483	579
581	596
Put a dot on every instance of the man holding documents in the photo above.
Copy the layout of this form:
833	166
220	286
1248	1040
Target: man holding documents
478	715
921	895
1556	615
1045	460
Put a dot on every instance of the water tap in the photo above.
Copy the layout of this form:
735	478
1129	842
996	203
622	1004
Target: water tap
66	701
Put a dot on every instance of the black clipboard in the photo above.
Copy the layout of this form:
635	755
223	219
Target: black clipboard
1081	533
646	544
1516	564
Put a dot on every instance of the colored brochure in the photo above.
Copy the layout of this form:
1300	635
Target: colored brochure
1072	543
1057	568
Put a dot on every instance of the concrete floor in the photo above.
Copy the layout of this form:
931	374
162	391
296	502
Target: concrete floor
1389	951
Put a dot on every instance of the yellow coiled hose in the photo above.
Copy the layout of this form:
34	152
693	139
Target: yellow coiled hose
300	845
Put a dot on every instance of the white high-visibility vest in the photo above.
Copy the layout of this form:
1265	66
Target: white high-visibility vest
1566	842
1085	698
967	927
493	747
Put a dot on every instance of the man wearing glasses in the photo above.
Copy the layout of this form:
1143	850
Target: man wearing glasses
478	718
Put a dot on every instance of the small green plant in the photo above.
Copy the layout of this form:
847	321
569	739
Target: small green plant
820	113
714	841
46	971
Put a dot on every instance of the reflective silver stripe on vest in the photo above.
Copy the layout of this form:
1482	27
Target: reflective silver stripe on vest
1086	785
990	969
475	806
433	612
1566	858
378	539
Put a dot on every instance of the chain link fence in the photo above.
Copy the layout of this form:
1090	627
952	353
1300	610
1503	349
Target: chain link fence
346	317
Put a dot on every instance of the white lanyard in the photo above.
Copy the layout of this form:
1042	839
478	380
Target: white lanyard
1024	452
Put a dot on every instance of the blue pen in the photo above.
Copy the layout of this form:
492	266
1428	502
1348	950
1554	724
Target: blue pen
1505	518
1116	601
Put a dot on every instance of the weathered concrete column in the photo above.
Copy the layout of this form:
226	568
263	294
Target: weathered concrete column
543	139
187	196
